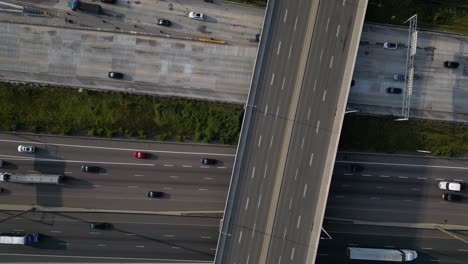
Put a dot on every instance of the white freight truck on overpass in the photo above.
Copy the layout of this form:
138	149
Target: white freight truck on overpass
19	239
382	254
31	178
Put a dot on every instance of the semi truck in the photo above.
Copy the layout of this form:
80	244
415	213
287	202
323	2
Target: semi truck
85	7
19	238
382	254
31	178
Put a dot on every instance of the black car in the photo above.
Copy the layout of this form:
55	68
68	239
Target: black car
108	1
258	37
206	161
163	22
115	75
451	197
393	90
152	194
89	169
102	226
451	64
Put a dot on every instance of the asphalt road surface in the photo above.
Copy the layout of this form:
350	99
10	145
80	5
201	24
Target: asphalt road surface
67	237
123	181
394	201
297	108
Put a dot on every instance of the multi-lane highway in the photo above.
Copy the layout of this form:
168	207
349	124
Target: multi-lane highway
67	237
123	180
289	137
394	201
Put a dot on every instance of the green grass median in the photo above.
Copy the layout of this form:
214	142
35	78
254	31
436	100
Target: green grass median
108	114
447	15
383	134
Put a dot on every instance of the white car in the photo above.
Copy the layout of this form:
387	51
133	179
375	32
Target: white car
390	45
197	16
451	186
27	149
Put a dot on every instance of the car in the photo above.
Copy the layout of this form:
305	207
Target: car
26	149
390	45
393	90
206	161
451	197
399	77
258	37
196	16
102	226
153	194
108	1
163	22
451	186
90	169
451	64
115	75
141	155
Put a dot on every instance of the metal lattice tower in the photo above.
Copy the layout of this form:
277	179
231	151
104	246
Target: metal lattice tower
409	73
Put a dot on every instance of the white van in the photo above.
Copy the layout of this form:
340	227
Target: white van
451	186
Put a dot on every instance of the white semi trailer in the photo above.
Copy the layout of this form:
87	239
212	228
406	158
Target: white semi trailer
31	178
19	238
382	254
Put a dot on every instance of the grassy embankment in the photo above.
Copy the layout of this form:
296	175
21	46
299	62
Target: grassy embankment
68	112
447	15
383	134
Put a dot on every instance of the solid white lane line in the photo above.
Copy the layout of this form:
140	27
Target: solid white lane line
253	172
279	48
109	148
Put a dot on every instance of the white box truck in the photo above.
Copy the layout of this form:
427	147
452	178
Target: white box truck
31	178
19	238
382	254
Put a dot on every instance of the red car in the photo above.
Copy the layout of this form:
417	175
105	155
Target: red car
141	155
